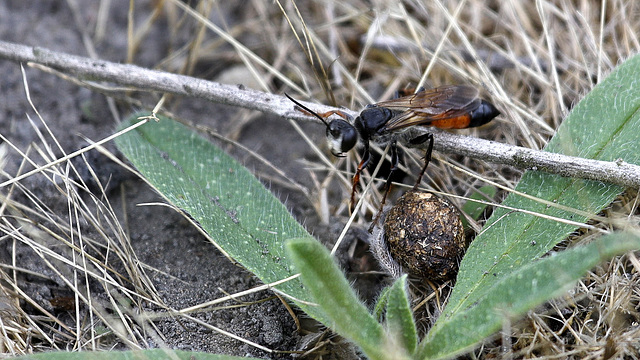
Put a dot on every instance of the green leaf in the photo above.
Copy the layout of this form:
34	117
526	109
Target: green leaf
331	291
475	209
230	204
399	317
381	304
519	291
154	354
604	126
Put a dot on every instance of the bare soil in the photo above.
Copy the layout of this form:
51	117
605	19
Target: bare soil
185	268
544	55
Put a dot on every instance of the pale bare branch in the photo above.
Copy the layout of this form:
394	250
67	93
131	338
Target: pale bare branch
618	172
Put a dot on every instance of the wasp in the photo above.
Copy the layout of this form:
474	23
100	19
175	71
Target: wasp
398	120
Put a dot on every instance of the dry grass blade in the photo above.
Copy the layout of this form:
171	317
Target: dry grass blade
534	60
82	248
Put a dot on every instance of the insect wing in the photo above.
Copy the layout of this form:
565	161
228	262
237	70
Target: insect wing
434	101
425	107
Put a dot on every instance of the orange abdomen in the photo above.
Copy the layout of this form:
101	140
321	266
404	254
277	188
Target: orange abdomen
460	122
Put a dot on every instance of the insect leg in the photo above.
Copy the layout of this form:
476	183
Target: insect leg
342	114
395	160
394	166
427	156
366	156
322	116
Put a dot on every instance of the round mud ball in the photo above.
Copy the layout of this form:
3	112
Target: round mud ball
425	236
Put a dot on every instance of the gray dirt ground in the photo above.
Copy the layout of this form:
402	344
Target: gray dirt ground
194	272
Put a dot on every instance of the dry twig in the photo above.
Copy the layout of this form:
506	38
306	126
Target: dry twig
618	172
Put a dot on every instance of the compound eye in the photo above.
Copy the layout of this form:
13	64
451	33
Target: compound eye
349	138
342	137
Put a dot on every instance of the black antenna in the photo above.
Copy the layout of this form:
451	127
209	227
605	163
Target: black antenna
307	110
